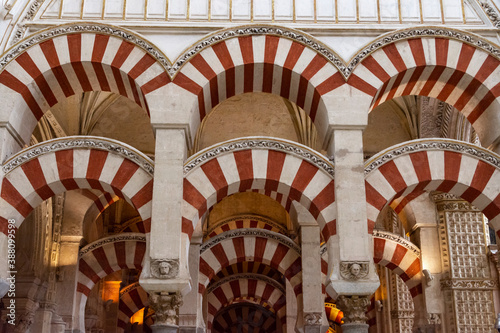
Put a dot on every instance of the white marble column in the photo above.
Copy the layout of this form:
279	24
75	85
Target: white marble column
351	271
165	274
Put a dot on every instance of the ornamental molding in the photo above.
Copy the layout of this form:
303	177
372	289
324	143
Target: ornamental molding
21	27
129	288
79	142
135	237
431	145
469	284
287	147
250	232
81	27
398	239
248	217
456	206
313	318
345	68
246	276
442	196
492	13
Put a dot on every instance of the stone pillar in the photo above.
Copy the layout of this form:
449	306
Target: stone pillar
351	271
190	313
312	309
165	272
291	308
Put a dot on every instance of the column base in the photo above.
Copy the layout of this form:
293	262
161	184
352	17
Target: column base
355	328
164	328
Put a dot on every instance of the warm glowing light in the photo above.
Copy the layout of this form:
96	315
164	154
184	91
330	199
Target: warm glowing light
111	291
138	317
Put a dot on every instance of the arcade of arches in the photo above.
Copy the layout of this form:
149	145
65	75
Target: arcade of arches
249	166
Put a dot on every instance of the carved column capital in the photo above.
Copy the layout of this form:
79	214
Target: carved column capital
312	318
354	308
166	307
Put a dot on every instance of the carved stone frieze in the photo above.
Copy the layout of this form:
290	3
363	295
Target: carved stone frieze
456	206
469	284
492	13
442	196
250	233
21	27
166	307
261	143
434	144
248	217
79	142
111	239
434	318
312	319
354	270
354	308
398	239
164	268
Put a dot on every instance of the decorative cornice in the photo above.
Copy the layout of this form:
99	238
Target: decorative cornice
249	217
287	147
129	288
492	13
246	276
456	206
469	284
442	196
398	239
250	232
84	27
428	145
79	142
136	237
21	27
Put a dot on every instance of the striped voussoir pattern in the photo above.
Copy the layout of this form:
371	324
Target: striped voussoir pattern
401	259
470	176
51	173
55	69
245	317
131	301
250	248
457	73
245	222
109	255
260	64
232	291
259	170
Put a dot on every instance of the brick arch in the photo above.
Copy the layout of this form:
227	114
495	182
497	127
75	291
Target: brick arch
264	62
453	71
133	299
104	257
245	221
57	63
268	166
407	170
243	288
55	166
250	245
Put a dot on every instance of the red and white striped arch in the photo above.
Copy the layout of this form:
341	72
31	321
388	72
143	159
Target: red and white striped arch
104	257
230	291
452	71
401	259
397	256
131	301
244	222
250	248
448	167
32	181
261	63
258	169
54	69
246	317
